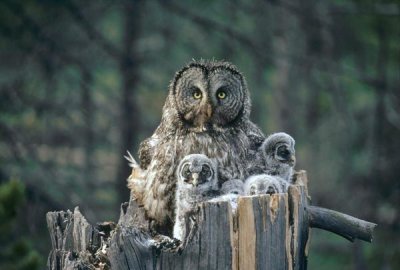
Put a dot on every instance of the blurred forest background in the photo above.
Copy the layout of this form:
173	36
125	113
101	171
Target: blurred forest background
81	82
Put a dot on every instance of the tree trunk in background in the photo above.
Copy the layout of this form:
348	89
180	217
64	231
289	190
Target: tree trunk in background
311	28
380	85
263	17
359	262
130	114
88	132
283	90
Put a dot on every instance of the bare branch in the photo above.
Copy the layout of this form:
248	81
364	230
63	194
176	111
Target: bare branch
341	224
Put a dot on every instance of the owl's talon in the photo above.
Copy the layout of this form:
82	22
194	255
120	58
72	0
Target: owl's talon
165	243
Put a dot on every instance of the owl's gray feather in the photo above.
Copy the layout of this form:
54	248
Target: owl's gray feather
207	111
265	184
278	153
197	182
146	151
234	186
137	179
230	192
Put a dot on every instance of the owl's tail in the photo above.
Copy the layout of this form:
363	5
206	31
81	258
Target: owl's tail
132	162
136	181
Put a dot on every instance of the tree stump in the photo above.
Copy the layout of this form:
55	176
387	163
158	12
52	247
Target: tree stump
265	232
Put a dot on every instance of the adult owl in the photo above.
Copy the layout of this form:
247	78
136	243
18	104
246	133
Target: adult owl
207	111
279	155
197	182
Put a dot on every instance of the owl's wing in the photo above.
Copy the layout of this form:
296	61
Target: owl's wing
255	159
146	151
255	135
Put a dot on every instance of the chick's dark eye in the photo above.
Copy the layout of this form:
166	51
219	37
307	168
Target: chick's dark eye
205	168
206	171
186	172
235	192
283	152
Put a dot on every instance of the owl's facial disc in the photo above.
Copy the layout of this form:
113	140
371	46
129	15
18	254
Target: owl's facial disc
203	174
196	108
209	99
185	172
192	99
284	154
227	95
196	174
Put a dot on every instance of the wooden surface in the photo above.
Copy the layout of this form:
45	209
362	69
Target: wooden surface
266	232
73	240
263	230
341	224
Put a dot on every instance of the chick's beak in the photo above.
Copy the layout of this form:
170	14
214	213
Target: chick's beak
292	160
195	179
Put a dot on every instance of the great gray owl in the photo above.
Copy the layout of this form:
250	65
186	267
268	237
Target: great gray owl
197	182
264	184
279	155
234	186
230	191
207	111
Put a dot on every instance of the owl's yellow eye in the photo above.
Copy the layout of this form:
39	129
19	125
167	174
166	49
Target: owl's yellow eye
221	94
197	94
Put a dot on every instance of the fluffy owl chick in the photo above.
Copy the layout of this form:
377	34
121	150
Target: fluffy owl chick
136	181
279	155
197	182
264	184
234	186
230	191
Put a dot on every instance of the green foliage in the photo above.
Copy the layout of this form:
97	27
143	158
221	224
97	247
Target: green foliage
12	196
16	253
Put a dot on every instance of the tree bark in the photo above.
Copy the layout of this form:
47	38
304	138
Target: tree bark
341	224
265	232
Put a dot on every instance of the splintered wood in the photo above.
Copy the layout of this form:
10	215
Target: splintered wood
266	232
263	229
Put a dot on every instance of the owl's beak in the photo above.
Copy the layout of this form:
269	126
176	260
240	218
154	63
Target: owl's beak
206	114
195	181
208	110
